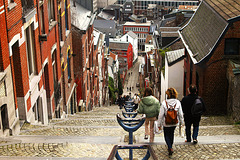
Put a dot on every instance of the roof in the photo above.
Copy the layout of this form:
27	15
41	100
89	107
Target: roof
109	24
106	26
174	56
187	7
149	39
132	34
105	15
80	16
119	45
228	9
203	32
148	23
169	31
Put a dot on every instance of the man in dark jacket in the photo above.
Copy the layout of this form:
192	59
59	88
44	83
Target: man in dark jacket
187	103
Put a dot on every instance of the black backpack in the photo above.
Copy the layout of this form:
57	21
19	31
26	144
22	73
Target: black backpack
197	108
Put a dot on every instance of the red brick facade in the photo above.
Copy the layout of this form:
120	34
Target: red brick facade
85	66
211	76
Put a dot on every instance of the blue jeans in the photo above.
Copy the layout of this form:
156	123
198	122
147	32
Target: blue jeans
169	135
189	121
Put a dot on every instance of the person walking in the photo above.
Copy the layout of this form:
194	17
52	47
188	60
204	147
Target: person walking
149	105
136	100
120	102
190	119
173	105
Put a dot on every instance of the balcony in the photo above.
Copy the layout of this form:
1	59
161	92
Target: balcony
28	10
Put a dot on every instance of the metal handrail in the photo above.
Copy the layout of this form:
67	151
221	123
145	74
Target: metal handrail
150	151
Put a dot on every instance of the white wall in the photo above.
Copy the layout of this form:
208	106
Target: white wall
134	43
174	77
148	47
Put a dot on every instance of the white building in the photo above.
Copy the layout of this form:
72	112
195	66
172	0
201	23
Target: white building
174	73
99	40
133	39
140	29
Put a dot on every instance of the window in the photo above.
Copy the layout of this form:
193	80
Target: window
29	34
2	89
69	65
60	25
54	66
66	14
50	10
232	46
42	20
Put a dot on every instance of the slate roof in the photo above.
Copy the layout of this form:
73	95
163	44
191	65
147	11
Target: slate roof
202	33
132	34
105	15
228	9
169	31
106	26
80	16
119	45
174	56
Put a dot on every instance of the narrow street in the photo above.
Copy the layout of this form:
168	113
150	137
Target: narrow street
91	136
132	78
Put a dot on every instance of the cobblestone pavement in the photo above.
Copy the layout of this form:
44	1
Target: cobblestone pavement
92	135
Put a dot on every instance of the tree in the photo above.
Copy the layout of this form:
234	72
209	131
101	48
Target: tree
112	90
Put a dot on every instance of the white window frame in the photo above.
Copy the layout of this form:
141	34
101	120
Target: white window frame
30	50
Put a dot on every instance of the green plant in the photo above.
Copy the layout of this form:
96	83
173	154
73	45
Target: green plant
112	90
120	87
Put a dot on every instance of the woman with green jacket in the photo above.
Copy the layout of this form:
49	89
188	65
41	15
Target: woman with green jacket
150	106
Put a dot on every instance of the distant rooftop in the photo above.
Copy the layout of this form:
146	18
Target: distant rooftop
119	45
187	7
148	23
132	34
105	15
174	56
80	16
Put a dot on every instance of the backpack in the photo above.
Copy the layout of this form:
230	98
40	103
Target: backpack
197	108
171	116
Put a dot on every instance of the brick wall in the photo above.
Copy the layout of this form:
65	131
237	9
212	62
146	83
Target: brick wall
212	75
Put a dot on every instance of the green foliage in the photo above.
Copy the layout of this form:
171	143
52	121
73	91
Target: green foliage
162	53
112	90
238	123
120	87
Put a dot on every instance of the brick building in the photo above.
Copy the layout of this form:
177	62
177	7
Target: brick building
9	117
141	6
85	55
68	88
212	39
36	55
124	50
